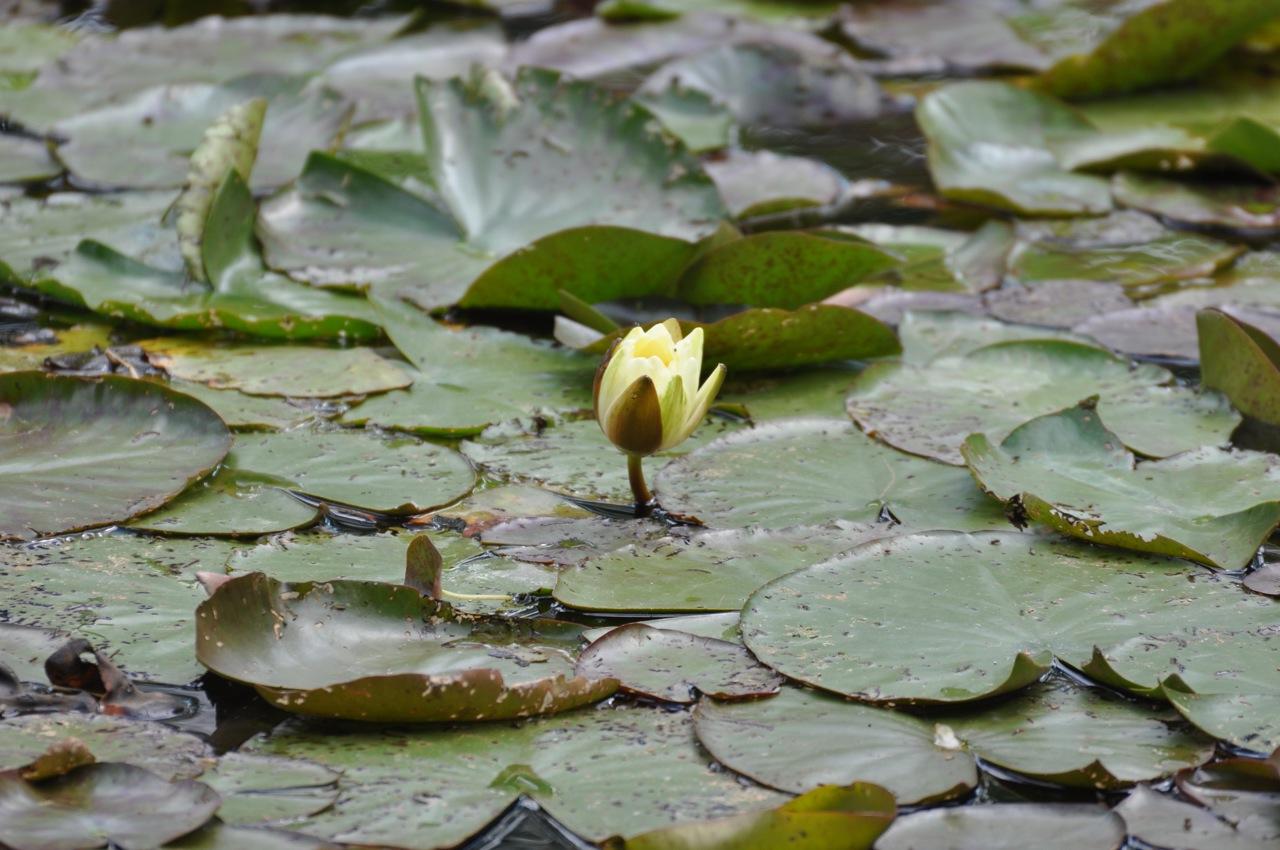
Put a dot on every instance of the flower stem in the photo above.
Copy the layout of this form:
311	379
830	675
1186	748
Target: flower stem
639	489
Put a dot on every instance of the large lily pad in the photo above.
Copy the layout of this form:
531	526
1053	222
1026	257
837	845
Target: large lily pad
83	453
286	370
1068	471
1004	606
131	596
260	789
165	752
1244	716
796	472
708	571
675	666
100	805
251	492
604	772
1008	826
930	410
327	649
1163	821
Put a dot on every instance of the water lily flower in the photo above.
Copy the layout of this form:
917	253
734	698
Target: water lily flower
647	396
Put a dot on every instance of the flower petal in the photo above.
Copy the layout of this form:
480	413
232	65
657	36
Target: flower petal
698	410
634	422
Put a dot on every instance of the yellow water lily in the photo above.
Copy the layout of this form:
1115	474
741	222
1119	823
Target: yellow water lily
647	395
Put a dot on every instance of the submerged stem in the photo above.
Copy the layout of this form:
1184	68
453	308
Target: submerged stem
639	489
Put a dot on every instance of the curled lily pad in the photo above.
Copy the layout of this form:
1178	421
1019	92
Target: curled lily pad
1242	714
847	818
1008	826
676	666
443	666
1006	605
285	370
82	453
930	410
1241	360
786	473
1068	471
100	805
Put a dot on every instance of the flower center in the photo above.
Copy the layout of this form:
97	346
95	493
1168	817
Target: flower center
647	346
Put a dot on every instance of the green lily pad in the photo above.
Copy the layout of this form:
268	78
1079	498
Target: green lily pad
1245	792
1129	248
1006	605
254	413
1164	822
250	493
145	141
927	336
23	649
131	596
774	85
756	183
722	626
692	117
1252	208
709	571
73	340
83	453
261	789
929	410
824	819
795	471
241	296
25	160
1008	826
435	787
676	666
565	541
1068	471
1057	303
219	836
285	370
990	143
1242	361
496	195
942	260
814	392
100	805
449	666
1245	718
165	752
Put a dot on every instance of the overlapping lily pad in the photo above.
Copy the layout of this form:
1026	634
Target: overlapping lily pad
260	789
1068	471
929	410
786	473
327	649
1242	361
1009	826
756	183
1248	207
158	748
253	492
83	453
1163	821
602	772
943	260
1005	605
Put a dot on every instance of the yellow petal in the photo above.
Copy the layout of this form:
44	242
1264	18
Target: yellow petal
634	422
674	405
698	410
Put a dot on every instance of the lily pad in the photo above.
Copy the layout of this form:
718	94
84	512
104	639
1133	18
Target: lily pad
1250	208
161	750
85	453
449	666
131	595
251	492
25	160
1242	361
1068	471
676	666
756	183
145	141
100	805
1244	716
929	410
605	772
795	471
1008	826
1164	822
929	335
708	571
1007	604
1245	792
1057	303
219	836
285	370
254	413
824	819
990	143
261	789
943	260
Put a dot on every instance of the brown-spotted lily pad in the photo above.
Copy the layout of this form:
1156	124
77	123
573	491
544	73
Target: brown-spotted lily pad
382	652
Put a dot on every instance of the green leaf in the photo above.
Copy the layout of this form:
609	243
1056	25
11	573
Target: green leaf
789	472
1162	821
942	260
259	789
676	667
101	804
761	183
77	453
1244	716
26	160
832	818
277	370
1068	471
1250	208
1006	826
1002	607
156	747
930	410
1245	792
1241	361
927	335
332	657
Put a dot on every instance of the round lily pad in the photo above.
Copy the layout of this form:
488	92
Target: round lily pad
1008	826
100	805
382	652
160	749
79	453
798	472
1002	606
250	494
929	410
676	666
